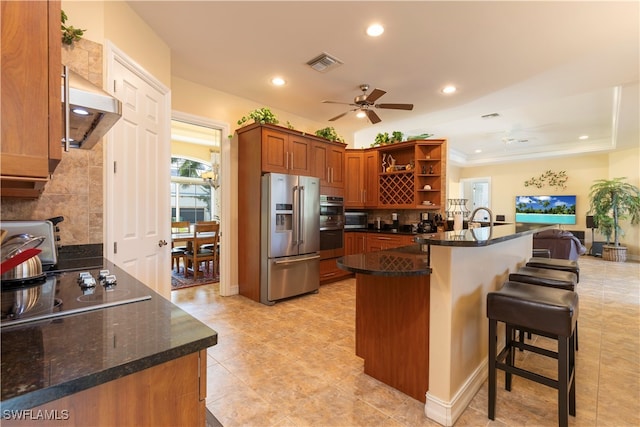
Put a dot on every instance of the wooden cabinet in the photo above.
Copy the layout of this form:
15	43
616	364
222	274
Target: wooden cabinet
418	163
286	153
270	148
330	272
31	125
381	241
355	242
172	393
361	183
328	164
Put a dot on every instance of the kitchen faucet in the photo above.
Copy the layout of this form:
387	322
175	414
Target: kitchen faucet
473	214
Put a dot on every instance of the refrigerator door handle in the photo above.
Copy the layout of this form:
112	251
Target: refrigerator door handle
301	218
285	261
296	215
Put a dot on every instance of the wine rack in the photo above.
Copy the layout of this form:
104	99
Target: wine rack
397	189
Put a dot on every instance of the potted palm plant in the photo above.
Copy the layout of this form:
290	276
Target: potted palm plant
611	201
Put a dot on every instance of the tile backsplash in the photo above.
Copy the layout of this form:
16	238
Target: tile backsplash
75	191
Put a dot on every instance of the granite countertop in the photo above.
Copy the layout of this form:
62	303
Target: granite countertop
404	261
482	236
46	360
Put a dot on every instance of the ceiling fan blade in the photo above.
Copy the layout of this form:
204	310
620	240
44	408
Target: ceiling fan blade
373	117
395	106
338	116
338	102
374	95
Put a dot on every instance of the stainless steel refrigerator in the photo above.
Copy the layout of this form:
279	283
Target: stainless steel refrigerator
290	240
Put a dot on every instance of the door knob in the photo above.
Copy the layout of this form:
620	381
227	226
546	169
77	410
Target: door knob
162	243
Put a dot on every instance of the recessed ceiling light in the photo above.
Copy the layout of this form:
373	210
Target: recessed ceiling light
361	114
278	81
449	89
374	30
478	150
584	137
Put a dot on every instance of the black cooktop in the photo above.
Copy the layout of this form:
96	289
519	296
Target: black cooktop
64	293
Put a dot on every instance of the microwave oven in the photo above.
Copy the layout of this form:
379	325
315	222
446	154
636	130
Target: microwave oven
355	220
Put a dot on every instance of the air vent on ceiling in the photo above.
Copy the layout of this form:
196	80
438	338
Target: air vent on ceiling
490	116
324	62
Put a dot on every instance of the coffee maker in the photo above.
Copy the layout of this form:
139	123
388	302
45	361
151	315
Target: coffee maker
427	223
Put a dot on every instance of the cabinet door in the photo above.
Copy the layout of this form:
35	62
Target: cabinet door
319	162
354	243
299	152
275	154
335	162
353	186
31	98
370	178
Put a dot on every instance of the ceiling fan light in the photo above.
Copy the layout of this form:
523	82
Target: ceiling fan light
361	114
375	30
449	89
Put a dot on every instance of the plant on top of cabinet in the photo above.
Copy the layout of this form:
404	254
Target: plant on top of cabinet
70	34
330	134
419	137
260	115
384	138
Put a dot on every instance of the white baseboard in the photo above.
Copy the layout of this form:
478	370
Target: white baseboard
446	413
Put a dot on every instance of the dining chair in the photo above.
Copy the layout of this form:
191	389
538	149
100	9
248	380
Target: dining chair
204	233
177	251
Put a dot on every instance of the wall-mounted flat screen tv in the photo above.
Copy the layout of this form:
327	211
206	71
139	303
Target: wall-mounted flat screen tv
546	209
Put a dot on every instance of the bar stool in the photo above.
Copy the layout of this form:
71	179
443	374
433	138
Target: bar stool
545	277
544	311
541	253
555	264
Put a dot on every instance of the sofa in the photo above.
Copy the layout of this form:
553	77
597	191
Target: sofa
561	244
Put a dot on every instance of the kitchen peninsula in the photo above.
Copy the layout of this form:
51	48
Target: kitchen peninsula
139	363
421	312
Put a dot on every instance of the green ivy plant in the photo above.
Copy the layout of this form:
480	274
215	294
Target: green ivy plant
554	179
330	134
261	115
384	138
70	34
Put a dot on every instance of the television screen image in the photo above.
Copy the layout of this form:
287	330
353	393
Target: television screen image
546	209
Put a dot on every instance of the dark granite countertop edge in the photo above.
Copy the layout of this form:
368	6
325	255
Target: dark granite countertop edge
48	394
444	239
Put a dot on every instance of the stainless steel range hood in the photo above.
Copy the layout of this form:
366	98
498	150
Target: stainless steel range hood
91	112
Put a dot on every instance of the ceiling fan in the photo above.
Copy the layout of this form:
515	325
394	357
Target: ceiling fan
364	103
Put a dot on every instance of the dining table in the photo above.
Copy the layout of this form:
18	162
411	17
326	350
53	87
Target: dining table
192	241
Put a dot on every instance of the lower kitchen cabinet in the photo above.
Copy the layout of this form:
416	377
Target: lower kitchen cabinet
329	271
170	394
378	242
355	242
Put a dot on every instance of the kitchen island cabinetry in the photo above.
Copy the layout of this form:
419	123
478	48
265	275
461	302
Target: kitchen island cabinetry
433	302
31	128
379	241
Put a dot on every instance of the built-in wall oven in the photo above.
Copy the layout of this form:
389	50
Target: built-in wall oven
331	226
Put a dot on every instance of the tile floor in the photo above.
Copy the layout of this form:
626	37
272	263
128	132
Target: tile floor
293	364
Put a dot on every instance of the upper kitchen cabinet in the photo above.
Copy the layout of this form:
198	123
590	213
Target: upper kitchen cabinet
286	152
328	165
31	128
361	183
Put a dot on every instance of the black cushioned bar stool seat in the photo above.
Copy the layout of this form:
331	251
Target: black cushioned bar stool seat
545	277
556	264
541	253
545	311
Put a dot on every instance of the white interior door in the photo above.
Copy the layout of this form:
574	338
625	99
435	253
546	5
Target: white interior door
137	176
